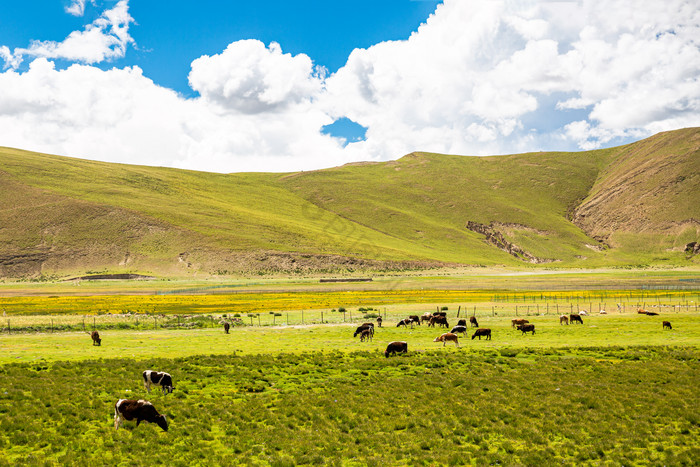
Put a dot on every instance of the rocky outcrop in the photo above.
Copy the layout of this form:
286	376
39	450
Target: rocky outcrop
496	238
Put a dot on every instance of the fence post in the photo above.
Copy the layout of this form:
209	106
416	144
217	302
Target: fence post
321	317
287	318
9	330
259	320
302	316
93	323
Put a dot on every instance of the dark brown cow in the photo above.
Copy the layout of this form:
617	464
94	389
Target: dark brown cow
448	336
440	313
527	328
486	332
426	317
440	320
516	322
96	338
666	324
226	327
396	347
652	313
462	322
140	410
575	319
361	328
158	377
379	321
563	319
473	321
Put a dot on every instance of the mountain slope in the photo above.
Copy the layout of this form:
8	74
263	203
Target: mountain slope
61	215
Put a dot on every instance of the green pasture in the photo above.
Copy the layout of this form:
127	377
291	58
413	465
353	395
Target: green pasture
592	406
597	331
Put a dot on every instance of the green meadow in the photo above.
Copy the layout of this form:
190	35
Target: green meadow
617	390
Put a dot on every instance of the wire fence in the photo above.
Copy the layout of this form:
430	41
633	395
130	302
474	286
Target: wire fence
506	305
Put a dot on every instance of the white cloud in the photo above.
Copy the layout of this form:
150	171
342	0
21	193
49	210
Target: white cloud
77	7
479	77
250	78
105	38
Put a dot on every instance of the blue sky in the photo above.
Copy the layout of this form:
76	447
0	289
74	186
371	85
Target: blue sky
284	86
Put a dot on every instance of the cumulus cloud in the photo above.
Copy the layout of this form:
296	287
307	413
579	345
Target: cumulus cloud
251	78
478	77
105	38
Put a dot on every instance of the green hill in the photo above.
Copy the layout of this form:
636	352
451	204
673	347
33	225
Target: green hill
630	205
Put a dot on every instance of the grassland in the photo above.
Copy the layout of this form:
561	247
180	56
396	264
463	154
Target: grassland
596	406
617	390
65	216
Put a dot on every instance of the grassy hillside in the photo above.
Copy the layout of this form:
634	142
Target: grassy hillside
63	216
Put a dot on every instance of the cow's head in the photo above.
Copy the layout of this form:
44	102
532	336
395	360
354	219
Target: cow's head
162	422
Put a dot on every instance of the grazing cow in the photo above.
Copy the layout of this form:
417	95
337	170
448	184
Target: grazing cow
652	313
515	322
603	312
440	313
583	313
448	336
96	338
405	322
366	335
641	311
441	320
379	321
415	319
527	328
458	329
226	327
158	377
363	328
486	332
666	324
462	322
473	321
426	317
396	347
140	410
575	319
563	319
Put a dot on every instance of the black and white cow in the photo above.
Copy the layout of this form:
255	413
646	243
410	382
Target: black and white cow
158	377
140	410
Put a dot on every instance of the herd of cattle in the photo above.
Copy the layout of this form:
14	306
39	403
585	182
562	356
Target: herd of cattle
143	411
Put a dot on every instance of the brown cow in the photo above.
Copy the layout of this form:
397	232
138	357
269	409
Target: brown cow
140	410
226	327
462	322
575	319
363	328
448	336
527	328
441	320
666	324
396	347
563	319
517	321
641	311
486	332
405	322
426	317
96	338
379	321
415	319
474	323
366	335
